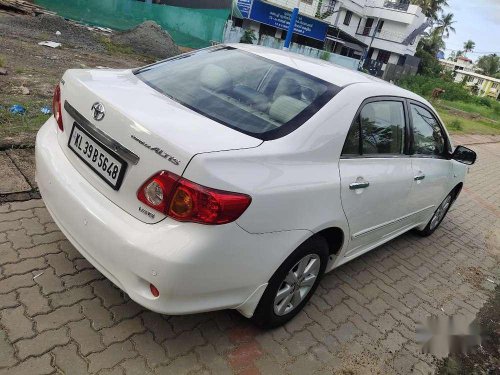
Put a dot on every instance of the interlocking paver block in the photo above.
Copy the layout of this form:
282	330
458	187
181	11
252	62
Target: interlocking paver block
61	264
71	296
48	281
42	343
7	358
87	338
149	349
136	366
98	315
363	315
58	318
19	239
32	226
33	300
122	331
184	343
69	361
109	294
81	278
24	266
183	365
111	356
40	366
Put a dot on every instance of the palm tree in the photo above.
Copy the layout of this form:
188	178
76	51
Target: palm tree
469	46
445	25
431	8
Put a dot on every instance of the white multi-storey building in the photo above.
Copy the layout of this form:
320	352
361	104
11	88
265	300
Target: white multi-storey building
377	31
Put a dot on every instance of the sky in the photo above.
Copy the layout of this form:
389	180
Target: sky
478	20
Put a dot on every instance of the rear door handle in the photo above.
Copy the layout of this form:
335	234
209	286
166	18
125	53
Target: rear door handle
359	185
419	177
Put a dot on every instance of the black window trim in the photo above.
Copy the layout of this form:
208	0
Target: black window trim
406	148
348	17
447	144
286	128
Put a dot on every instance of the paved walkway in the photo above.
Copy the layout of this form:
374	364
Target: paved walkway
58	314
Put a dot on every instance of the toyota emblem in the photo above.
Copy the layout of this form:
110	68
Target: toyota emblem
98	111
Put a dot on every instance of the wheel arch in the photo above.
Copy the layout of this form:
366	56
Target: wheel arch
334	236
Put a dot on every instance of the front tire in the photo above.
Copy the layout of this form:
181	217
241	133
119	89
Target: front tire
438	216
292	284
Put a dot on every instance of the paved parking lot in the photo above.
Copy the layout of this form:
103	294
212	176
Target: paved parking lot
58	314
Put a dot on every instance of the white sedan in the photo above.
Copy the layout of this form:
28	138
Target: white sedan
234	177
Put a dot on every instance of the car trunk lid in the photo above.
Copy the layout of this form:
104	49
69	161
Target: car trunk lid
161	133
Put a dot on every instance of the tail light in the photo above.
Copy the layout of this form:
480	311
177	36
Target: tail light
184	200
56	107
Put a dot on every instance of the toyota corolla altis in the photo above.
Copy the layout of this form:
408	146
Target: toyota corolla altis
234	177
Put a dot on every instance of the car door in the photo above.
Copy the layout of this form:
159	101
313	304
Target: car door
431	166
376	173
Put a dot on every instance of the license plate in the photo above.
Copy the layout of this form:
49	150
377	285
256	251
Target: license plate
107	164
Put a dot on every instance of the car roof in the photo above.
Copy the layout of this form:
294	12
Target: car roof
326	70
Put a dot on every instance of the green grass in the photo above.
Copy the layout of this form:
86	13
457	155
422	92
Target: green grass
492	112
114	48
467	126
2	62
29	122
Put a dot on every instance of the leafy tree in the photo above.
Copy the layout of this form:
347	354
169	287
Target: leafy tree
445	25
489	64
427	49
431	8
469	46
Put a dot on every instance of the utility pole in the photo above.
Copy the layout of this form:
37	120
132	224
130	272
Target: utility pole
293	19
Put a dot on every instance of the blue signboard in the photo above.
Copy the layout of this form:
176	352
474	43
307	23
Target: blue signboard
244	7
280	18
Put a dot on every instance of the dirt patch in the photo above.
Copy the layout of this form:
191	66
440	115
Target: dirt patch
486	358
472	275
39	68
148	38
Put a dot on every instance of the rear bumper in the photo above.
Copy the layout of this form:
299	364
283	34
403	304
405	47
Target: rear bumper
195	267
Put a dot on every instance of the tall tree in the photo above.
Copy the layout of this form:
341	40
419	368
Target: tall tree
489	64
445	24
469	46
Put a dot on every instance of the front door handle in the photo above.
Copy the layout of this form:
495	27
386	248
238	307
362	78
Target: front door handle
359	185
419	177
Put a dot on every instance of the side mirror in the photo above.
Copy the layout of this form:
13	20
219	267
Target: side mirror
464	155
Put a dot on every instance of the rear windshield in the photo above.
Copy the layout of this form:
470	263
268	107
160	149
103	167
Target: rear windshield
241	90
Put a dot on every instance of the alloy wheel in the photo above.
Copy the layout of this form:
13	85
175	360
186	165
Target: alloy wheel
440	212
297	284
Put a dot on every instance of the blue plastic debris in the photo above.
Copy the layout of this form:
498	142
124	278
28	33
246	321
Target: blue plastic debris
17	109
46	110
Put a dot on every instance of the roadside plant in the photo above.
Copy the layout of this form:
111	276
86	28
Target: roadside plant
325	55
248	37
456	125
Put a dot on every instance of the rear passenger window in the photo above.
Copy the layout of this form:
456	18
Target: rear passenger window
427	135
382	127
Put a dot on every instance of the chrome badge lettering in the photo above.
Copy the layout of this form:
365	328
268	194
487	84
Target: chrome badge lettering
157	150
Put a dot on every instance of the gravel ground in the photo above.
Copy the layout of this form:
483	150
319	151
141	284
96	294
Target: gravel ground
148	38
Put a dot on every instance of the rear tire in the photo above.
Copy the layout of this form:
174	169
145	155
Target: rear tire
292	284
438	216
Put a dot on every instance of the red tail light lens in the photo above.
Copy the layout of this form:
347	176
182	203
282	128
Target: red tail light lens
184	200
56	107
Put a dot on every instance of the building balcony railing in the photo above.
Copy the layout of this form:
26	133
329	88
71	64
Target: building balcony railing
398	5
383	35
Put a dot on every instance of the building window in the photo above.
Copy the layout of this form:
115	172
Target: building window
380	25
383	56
347	19
368	26
471	79
495	85
480	81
